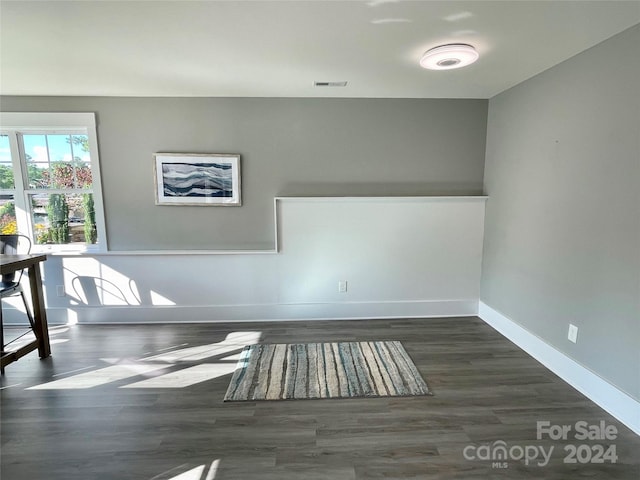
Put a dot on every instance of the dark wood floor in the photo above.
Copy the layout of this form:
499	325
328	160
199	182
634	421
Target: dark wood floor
485	390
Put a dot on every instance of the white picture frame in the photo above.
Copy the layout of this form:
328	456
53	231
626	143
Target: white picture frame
201	179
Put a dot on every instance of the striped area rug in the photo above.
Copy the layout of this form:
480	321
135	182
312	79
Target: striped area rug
325	370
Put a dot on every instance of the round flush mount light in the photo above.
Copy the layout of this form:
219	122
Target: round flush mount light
447	57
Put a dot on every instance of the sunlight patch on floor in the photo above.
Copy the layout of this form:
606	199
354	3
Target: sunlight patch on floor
234	341
195	473
190	375
186	376
99	377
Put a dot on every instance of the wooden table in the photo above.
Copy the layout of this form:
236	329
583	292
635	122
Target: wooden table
12	263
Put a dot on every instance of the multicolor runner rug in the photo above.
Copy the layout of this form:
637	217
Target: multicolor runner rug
325	370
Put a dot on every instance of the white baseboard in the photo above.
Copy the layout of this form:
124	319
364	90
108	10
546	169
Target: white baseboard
270	312
623	407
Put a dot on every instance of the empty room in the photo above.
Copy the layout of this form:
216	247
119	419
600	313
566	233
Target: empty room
319	239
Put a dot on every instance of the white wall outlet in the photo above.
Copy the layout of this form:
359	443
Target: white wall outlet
60	290
573	333
342	286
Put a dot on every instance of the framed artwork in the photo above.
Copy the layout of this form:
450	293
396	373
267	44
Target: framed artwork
209	179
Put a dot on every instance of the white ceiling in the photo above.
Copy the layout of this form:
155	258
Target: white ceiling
279	48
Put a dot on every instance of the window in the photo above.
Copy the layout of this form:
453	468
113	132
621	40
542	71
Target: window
50	180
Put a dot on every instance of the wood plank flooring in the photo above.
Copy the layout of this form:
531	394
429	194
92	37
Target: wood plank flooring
100	422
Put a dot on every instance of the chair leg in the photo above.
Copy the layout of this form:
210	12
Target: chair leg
29	315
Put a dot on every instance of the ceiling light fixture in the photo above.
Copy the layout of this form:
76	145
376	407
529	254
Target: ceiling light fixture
447	57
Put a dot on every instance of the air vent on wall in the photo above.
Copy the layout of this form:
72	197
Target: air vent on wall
329	84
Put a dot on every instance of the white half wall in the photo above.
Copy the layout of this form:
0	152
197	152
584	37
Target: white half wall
400	257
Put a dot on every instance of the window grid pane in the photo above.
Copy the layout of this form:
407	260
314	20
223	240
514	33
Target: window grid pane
60	218
56	161
8	223
6	165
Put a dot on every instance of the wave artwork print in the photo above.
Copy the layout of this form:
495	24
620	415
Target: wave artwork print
197	180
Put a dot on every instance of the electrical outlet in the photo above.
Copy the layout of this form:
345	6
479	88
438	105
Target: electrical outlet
60	290
342	286
573	333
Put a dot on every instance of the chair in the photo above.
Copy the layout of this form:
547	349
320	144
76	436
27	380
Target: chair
10	284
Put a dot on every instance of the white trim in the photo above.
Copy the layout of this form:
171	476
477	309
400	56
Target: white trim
398	199
276	227
260	312
48	120
610	398
158	253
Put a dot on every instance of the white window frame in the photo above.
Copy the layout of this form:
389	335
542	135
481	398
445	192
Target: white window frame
15	123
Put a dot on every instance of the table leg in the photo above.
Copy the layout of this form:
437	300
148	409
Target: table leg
39	312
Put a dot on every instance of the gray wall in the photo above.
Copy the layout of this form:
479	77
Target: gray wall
562	233
288	147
